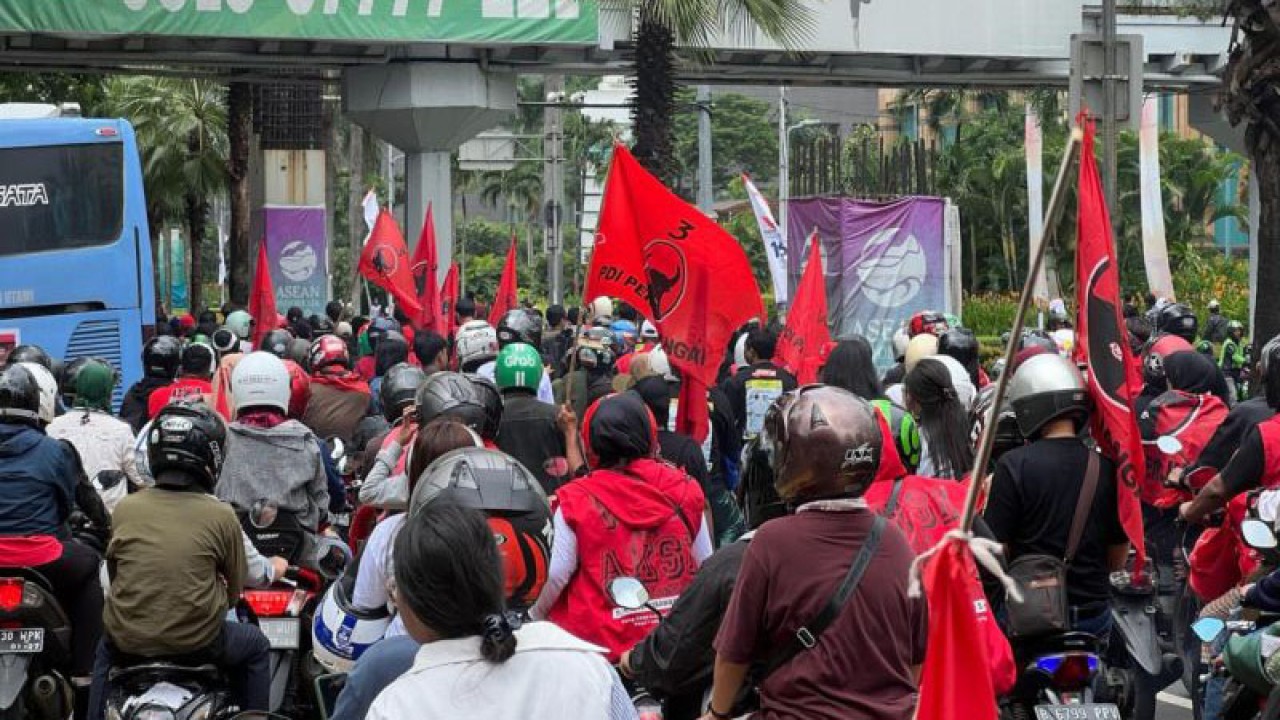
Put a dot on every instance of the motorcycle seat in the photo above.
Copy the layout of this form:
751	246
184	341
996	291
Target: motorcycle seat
161	668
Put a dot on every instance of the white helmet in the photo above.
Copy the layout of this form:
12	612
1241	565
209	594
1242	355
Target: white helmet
648	331
920	347
341	632
660	364
602	307
476	342
240	323
900	340
48	390
260	379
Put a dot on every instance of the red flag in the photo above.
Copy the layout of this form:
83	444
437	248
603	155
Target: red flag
693	417
505	298
385	261
803	342
1102	342
262	298
957	673
426	267
449	301
660	254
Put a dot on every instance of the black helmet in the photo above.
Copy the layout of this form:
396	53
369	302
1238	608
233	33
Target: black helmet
1008	436
30	353
67	381
512	500
1269	371
1177	319
824	443
225	341
19	396
491	398
520	325
392	349
300	352
199	360
378	329
1044	388
450	394
189	438
161	357
277	343
399	386
961	344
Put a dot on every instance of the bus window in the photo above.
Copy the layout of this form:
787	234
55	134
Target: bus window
60	197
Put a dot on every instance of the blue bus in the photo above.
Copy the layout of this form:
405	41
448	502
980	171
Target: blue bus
75	249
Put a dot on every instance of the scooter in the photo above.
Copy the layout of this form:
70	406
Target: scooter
630	595
152	690
35	647
1056	681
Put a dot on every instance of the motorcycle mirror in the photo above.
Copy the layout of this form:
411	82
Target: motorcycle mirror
263	513
1257	534
337	449
1169	445
1208	629
332	557
628	593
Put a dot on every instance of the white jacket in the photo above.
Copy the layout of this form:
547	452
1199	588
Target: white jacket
104	443
552	675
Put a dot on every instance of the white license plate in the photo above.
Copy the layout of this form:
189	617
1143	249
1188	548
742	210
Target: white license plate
1090	711
282	633
21	641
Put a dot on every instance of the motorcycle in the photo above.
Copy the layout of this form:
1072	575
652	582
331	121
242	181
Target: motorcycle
35	646
1057	679
630	595
283	610
160	690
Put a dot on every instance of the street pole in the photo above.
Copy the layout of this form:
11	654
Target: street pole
1109	102
784	162
705	195
553	188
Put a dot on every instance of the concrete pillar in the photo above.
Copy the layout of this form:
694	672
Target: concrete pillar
428	109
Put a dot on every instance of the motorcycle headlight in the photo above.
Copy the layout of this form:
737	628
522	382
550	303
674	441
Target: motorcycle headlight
153	712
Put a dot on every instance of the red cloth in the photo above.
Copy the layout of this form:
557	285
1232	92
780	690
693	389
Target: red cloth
365	367
449	301
29	550
335	376
660	254
506	297
803	341
693	417
385	262
426	265
626	524
1102	341
955	668
222	385
180	390
1220	559
1192	419
262	298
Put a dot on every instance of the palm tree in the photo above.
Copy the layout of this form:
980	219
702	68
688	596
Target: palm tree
661	25
181	126
1252	96
518	190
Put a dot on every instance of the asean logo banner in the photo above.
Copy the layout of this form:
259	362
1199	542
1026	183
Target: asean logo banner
884	262
298	253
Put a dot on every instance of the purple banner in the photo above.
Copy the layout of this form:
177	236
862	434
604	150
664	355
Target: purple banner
883	261
298	253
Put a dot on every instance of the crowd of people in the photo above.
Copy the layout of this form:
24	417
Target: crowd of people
554	433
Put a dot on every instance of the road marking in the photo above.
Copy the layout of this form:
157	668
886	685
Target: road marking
1171	699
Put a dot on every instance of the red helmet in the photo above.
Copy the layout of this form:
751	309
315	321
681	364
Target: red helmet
329	350
299	389
928	321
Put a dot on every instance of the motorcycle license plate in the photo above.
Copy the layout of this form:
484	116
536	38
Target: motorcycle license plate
1090	711
282	633
21	641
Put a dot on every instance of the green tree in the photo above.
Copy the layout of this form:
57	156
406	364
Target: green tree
55	88
661	25
743	137
181	127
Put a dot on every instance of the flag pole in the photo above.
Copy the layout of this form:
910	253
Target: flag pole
1057	203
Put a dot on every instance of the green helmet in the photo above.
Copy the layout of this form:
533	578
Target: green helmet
519	366
906	434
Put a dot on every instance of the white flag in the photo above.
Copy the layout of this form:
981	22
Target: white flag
1034	142
1154	250
370	205
774	246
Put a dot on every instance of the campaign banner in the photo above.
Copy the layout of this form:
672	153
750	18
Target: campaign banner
298	254
1155	252
883	262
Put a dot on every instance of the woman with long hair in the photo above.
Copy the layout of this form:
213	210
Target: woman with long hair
850	366
938	393
475	659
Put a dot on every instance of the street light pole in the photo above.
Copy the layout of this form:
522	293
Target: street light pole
784	171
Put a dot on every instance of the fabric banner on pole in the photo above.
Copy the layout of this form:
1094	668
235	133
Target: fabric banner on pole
883	262
775	248
1154	250
1035	197
297	254
179	300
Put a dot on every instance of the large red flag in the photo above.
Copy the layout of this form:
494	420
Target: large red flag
803	341
505	298
665	257
426	266
1102	342
957	670
449	302
385	261
262	298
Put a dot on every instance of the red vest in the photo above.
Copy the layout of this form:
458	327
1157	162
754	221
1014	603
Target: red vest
626	524
1270	432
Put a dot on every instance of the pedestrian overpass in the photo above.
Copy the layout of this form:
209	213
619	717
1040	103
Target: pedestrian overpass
427	75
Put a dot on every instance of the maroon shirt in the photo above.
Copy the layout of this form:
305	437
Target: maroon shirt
861	666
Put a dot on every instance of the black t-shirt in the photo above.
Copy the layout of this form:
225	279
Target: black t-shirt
528	433
1227	438
1033	499
1244	471
684	453
772	381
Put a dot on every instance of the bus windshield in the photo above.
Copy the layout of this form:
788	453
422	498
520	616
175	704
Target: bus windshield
60	197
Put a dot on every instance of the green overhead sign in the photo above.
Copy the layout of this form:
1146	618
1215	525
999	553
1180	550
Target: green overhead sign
570	22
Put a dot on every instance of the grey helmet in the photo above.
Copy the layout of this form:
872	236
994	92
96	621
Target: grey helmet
1044	388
